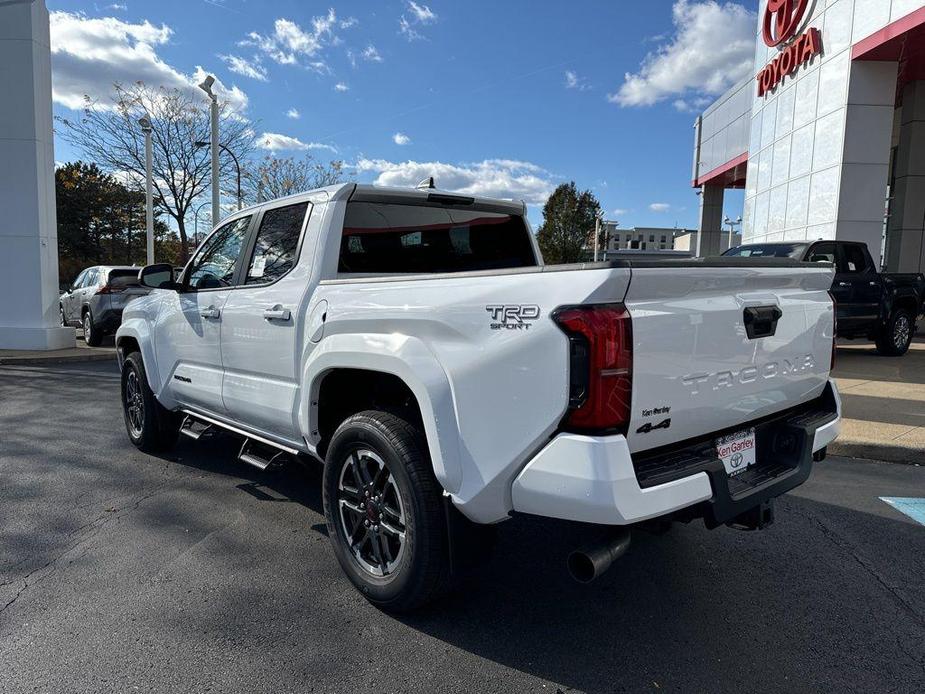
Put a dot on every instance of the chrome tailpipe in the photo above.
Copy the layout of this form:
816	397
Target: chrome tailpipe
592	560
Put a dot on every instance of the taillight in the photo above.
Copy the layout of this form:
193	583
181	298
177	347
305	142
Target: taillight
109	289
601	367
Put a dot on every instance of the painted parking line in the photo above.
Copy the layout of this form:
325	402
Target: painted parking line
914	508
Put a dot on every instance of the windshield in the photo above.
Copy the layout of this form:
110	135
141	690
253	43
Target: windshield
768	250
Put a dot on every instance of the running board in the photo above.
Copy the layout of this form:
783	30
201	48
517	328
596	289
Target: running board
256	450
195	428
260	455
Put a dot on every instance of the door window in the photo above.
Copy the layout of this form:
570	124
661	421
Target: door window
78	283
277	245
854	260
215	263
823	253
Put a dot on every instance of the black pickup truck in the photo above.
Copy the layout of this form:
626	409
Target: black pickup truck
871	305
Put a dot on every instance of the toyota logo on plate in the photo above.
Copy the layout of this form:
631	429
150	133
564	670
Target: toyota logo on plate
737	460
782	19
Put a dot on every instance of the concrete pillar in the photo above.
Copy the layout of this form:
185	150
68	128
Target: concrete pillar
710	239
906	231
28	227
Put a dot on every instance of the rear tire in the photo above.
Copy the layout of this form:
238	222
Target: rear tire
385	512
92	336
151	427
896	337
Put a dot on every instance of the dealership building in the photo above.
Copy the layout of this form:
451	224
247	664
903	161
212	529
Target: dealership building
828	137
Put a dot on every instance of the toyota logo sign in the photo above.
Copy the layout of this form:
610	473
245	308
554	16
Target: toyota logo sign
782	19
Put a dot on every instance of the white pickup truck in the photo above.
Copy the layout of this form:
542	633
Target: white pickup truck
415	342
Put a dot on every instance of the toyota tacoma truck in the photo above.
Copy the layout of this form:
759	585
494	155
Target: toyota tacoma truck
878	306
415	342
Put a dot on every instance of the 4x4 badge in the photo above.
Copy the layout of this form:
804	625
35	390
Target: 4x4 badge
648	428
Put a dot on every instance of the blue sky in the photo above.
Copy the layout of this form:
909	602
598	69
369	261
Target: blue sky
500	98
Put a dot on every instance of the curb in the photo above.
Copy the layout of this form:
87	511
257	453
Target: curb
62	359
884	452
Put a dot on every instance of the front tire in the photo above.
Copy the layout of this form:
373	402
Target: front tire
896	337
92	336
150	426
385	513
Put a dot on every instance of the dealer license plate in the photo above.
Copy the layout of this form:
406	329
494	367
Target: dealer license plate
737	451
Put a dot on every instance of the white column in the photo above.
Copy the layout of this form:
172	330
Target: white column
28	224
710	240
906	236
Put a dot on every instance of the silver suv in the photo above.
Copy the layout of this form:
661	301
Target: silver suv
95	300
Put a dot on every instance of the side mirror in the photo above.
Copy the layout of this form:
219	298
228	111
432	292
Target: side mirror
159	276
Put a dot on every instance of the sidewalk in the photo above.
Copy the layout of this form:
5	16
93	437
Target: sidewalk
883	402
80	352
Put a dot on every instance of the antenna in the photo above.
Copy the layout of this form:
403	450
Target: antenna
426	184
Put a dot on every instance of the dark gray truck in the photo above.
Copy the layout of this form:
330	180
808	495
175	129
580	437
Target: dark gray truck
883	307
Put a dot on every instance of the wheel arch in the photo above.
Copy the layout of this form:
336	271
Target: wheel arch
396	363
133	336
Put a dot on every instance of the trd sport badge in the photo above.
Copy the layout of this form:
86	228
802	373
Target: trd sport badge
512	317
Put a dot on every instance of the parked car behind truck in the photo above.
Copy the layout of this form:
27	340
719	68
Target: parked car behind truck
883	307
96	299
414	342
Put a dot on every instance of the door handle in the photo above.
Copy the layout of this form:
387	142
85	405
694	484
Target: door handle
210	312
844	284
277	313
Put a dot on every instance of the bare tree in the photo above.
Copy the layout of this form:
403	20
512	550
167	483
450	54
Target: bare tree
111	137
279	177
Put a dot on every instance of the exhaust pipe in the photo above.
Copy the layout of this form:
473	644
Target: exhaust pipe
592	560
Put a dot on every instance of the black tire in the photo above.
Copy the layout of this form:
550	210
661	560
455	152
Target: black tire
153	428
896	337
416	571
92	336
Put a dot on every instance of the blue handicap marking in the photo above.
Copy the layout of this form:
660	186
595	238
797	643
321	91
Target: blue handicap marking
914	508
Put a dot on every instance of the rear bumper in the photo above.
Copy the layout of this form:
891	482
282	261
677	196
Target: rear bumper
597	480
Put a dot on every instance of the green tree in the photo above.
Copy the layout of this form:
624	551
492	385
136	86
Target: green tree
568	224
102	222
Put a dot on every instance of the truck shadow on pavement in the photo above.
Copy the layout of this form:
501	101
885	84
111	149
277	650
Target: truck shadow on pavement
805	604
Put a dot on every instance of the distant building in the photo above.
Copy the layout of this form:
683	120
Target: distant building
643	238
687	241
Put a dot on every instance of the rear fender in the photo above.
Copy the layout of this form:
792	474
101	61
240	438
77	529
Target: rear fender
406	358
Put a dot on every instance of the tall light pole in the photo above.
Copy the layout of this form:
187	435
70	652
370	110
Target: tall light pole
206	86
237	165
732	224
146	128
196	223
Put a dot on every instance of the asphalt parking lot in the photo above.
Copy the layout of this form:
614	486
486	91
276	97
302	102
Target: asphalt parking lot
192	572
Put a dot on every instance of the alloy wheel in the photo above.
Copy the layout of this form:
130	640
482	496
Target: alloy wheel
902	332
134	403
371	513
88	327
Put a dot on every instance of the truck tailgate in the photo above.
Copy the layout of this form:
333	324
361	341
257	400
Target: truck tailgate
703	360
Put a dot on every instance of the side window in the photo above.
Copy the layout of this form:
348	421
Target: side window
78	283
277	244
823	253
214	265
91	278
854	260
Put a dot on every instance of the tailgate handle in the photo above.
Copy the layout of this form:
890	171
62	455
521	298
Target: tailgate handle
761	321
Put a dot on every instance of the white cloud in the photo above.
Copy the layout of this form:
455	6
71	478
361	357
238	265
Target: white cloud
497	178
659	207
341	87
420	15
573	81
117	6
293	113
401	139
246	68
275	142
619	212
712	49
693	105
292	44
89	55
371	54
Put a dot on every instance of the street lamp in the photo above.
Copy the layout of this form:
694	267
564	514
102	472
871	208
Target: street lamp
196	223
732	226
146	128
237	165
206	86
